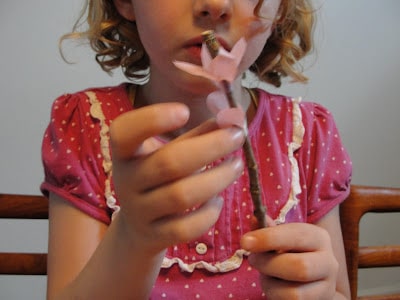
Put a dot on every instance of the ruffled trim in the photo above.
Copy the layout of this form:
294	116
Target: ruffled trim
298	134
232	263
97	113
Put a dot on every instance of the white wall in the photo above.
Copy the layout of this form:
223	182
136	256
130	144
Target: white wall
356	75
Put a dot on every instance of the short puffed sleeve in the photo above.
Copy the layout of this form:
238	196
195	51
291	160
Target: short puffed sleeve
326	167
72	158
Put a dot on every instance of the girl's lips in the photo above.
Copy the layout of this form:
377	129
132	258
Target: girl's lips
193	48
194	51
198	41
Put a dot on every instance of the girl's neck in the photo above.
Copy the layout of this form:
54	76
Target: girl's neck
152	93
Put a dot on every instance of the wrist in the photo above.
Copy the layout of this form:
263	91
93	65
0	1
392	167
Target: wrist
143	246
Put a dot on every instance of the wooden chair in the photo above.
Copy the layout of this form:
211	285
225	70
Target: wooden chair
23	207
364	199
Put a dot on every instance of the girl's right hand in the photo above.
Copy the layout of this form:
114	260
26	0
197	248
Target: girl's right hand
159	185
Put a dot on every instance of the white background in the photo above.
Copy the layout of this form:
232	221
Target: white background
355	73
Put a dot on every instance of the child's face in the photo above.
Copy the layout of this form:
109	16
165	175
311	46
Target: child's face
171	30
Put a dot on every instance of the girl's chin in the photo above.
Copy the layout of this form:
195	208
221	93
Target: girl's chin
198	85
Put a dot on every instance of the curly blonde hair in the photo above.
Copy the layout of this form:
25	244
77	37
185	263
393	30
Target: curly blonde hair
117	43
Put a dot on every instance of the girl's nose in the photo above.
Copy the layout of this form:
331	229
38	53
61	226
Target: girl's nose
214	10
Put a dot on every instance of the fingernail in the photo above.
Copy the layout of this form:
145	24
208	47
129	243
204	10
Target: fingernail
248	242
238	164
237	133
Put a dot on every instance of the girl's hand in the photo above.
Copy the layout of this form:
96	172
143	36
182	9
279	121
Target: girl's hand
296	261
159	185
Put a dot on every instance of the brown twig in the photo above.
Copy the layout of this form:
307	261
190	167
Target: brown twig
252	168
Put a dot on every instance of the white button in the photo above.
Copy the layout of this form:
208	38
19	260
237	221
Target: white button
201	248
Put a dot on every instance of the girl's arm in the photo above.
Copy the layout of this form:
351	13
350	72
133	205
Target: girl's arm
331	223
88	260
156	185
300	260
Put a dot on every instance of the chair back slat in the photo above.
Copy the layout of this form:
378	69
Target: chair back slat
23	206
23	263
14	206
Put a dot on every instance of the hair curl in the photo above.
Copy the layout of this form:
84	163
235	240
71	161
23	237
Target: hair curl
116	41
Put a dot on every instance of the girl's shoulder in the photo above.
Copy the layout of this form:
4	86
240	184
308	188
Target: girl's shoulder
277	104
108	96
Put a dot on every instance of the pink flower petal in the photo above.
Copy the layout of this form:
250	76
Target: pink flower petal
223	68
194	70
205	56
231	116
238	50
217	101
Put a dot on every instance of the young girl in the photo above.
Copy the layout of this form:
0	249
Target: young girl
149	196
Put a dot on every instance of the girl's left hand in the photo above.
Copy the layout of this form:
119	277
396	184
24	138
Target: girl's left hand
296	261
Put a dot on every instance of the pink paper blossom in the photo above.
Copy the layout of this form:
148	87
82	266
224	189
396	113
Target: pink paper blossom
220	69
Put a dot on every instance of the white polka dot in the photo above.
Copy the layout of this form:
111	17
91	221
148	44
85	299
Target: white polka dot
219	286
186	286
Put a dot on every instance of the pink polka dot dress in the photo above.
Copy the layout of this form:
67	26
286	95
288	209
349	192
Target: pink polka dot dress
304	170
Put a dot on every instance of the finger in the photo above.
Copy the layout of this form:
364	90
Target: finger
192	191
292	237
183	228
129	130
298	267
184	157
203	128
276	289
255	224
